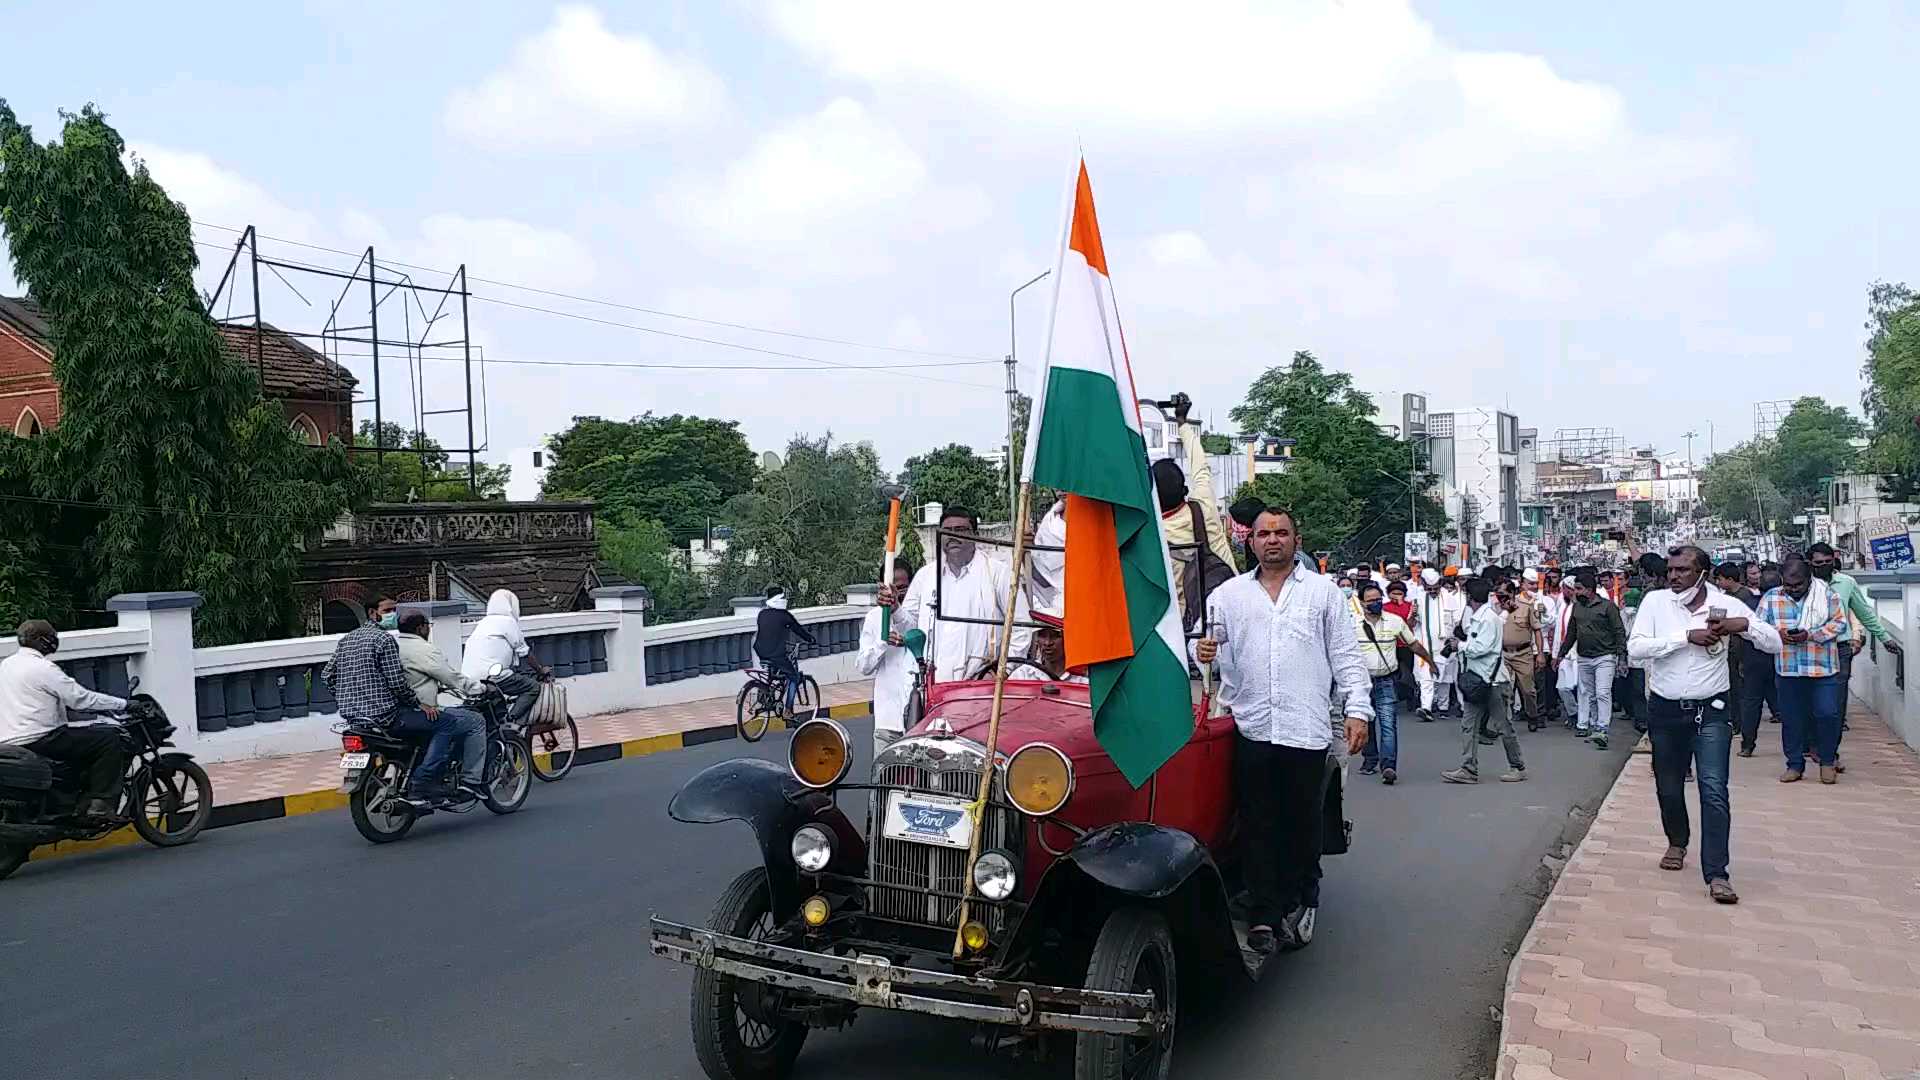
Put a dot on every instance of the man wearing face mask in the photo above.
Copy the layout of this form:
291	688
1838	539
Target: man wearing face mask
370	683
969	586
1681	638
1853	600
1378	632
1811	623
34	698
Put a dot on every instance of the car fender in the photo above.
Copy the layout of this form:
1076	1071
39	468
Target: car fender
774	805
1156	865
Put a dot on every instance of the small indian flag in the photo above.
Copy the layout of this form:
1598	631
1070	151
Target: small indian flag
1122	615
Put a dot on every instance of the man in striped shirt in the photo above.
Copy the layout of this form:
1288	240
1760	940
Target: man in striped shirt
1811	624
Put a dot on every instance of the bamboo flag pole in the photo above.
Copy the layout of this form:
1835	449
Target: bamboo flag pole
993	718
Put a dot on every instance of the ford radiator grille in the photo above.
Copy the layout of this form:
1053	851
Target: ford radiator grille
905	871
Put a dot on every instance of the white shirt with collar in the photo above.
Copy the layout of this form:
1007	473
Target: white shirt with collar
891	667
1281	654
35	696
1677	669
977	590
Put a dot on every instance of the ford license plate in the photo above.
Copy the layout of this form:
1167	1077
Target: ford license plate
928	819
355	761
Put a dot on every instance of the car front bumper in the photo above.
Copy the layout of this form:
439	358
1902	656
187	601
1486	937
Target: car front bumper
874	982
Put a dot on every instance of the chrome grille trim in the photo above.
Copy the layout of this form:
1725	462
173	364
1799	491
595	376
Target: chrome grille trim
904	871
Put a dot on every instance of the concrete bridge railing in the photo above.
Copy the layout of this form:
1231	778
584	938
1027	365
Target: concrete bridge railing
1881	680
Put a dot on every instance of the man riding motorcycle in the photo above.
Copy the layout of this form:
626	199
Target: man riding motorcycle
370	683
34	698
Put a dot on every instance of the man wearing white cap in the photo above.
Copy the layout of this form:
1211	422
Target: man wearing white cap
1436	613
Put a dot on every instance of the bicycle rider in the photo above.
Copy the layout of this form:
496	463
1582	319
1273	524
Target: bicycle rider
771	641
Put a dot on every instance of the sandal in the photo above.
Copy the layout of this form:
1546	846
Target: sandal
1722	891
1674	859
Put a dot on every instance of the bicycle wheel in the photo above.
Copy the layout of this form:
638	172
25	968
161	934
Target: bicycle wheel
750	714
557	748
806	701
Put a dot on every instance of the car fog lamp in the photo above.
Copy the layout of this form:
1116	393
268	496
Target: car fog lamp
812	848
815	911
973	935
1039	779
994	876
819	754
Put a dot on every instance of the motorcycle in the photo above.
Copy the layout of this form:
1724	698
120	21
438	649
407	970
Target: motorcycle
380	763
166	796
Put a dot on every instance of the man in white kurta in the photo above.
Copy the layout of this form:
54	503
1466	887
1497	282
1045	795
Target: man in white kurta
970	586
885	659
1437	613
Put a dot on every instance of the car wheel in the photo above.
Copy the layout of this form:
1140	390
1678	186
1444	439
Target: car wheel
733	1035
1133	953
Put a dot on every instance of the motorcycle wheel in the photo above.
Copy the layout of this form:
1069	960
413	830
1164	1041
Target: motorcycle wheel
12	857
170	805
732	1036
381	788
510	778
559	747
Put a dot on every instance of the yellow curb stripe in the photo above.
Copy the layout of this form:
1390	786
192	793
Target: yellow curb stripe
851	710
652	744
118	838
312	802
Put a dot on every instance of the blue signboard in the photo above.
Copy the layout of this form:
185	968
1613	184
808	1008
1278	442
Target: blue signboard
1892	552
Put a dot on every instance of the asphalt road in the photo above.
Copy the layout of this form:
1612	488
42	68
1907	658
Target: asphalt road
482	947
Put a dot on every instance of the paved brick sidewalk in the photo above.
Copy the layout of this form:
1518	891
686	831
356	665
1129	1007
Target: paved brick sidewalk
294	774
1633	972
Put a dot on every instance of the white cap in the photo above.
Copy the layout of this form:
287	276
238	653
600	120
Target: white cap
1393	566
1531	574
1430	576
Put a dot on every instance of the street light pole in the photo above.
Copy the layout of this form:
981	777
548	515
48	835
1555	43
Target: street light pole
1013	380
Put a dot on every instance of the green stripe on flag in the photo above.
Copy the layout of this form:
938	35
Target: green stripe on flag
1142	706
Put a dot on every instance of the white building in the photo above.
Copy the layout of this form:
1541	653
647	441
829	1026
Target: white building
529	465
1474	451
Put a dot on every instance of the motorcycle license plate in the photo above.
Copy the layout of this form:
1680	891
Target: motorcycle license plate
355	761
928	819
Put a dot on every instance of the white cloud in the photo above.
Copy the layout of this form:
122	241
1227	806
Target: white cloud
577	81
1523	94
1175	248
220	196
806	184
1218	67
1691	249
504	248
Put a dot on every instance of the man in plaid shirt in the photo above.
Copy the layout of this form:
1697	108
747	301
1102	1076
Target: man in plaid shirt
1812	699
370	683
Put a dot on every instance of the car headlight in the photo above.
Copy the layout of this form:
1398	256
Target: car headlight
812	848
994	876
820	753
1039	779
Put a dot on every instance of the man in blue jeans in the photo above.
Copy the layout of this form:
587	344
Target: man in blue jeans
1680	638
1379	632
1812	624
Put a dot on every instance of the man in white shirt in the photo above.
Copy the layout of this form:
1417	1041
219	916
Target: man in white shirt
1282	635
886	660
34	698
1481	655
971	586
1440	610
1680	638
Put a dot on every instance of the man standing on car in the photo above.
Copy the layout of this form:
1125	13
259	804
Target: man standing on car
885	659
1681	638
1282	636
34	698
970	586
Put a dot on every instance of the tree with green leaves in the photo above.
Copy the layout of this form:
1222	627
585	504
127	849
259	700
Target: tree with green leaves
1892	397
646	554
676	470
172	470
1736	484
1815	441
815	525
1331	422
420	470
956	476
1325	511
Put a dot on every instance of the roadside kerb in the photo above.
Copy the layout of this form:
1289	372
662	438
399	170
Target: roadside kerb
310	802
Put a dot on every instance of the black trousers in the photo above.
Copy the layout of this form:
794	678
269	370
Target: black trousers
97	751
1278	790
1757	688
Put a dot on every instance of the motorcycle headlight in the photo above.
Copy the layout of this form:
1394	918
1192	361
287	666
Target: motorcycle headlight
812	848
820	753
994	876
1039	779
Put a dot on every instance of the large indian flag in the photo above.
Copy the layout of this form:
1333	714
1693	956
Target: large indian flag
1122	613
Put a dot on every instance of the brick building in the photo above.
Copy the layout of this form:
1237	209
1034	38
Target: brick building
315	393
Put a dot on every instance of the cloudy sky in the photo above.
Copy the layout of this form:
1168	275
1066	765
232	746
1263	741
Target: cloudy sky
1648	215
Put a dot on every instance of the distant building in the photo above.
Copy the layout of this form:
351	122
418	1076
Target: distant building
314	393
529	471
1474	454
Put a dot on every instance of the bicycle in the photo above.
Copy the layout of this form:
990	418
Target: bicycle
765	697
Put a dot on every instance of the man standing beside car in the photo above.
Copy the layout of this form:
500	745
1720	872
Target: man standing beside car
1282	636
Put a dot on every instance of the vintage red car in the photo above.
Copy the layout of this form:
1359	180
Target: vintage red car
1093	901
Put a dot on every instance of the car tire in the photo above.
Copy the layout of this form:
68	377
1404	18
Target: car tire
1134	952
722	1025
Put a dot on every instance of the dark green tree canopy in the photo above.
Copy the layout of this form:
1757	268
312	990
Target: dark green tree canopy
1892	375
956	476
174	473
423	472
677	470
1326	513
816	524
